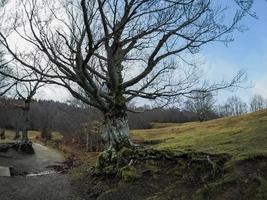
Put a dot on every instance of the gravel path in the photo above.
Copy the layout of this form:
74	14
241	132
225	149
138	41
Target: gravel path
47	187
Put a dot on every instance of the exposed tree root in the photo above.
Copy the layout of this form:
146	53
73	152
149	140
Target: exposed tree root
24	146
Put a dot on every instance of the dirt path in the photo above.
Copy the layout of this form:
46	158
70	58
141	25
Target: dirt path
47	187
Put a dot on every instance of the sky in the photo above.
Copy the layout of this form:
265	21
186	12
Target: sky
247	52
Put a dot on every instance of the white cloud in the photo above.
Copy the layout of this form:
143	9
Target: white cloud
261	87
53	92
217	69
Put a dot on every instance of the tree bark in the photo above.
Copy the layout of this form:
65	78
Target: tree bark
16	134
25	144
26	124
2	134
115	133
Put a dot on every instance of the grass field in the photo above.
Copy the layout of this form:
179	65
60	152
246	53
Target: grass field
239	136
33	136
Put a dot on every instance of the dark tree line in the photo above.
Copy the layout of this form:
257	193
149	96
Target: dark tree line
55	116
167	115
43	116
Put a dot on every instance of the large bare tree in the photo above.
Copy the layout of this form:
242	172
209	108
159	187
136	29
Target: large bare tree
119	50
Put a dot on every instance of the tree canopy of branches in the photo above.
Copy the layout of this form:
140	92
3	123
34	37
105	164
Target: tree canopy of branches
119	50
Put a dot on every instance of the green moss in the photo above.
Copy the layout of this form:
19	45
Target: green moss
218	187
80	172
155	197
129	173
106	194
151	167
106	158
124	152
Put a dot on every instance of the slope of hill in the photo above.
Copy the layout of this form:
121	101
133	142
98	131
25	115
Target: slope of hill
238	136
219	159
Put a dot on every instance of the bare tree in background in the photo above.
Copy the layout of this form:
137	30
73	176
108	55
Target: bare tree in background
224	110
257	103
234	106
202	104
26	91
119	50
27	84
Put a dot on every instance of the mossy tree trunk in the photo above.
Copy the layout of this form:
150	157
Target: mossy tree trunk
115	133
115	129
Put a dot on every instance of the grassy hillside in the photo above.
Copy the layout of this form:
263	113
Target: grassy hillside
223	159
239	136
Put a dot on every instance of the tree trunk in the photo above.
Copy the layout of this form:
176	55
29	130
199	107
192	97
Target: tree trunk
115	129
46	134
89	142
25	135
2	134
26	124
17	134
115	133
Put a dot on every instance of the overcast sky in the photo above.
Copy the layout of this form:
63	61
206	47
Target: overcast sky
248	52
